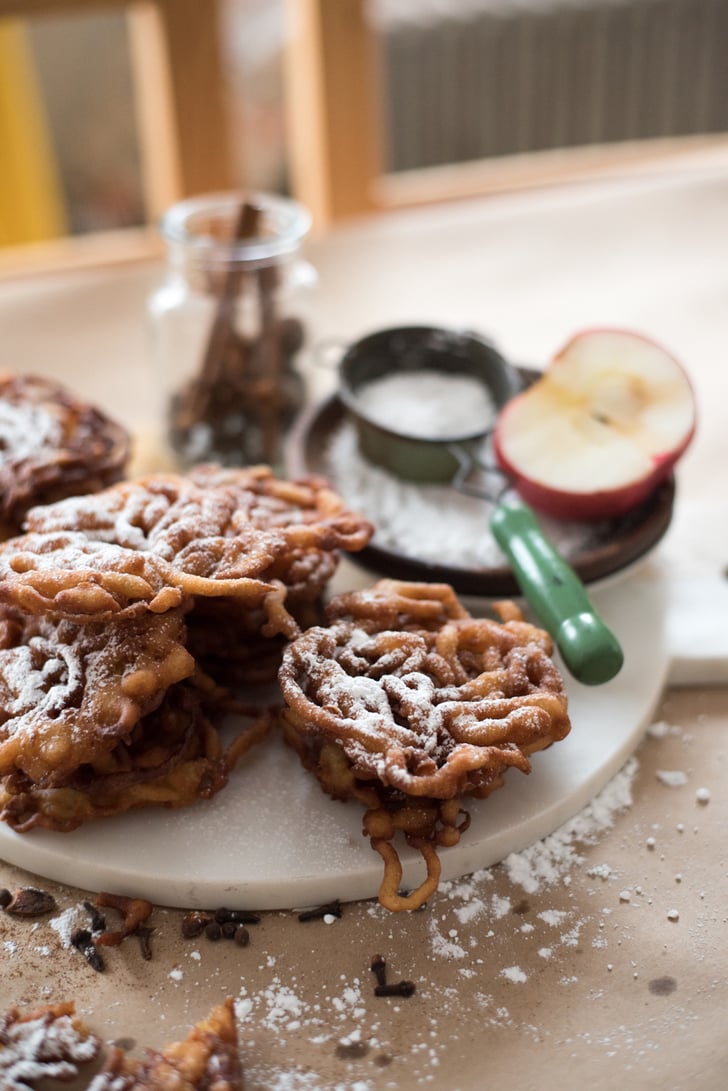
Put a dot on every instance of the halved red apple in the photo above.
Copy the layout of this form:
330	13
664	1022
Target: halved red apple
601	429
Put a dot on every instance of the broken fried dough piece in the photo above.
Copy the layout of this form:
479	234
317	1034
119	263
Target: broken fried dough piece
49	1042
409	720
207	1060
69	694
52	445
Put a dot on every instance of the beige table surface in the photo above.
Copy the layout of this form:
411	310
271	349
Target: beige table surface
609	969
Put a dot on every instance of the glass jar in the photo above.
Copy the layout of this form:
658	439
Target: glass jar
230	321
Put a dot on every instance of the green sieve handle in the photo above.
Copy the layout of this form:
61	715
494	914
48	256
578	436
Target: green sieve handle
588	646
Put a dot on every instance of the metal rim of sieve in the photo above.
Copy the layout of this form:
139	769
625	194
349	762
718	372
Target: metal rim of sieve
415	348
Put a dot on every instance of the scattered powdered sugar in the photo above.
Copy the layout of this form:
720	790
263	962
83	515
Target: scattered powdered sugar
444	946
68	922
549	860
35	1049
514	974
600	871
672	778
553	917
662	729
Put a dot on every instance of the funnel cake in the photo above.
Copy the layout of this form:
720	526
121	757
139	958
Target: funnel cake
217	539
70	693
186	531
52	445
408	704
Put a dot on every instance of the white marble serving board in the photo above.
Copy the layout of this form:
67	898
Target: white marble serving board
273	840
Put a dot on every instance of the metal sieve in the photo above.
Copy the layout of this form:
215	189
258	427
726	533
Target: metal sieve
588	647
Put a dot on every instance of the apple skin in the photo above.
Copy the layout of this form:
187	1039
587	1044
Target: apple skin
528	411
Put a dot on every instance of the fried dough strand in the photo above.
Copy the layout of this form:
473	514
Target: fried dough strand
67	575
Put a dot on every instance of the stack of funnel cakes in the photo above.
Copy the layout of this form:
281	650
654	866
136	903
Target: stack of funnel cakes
52	445
104	704
317	526
407	703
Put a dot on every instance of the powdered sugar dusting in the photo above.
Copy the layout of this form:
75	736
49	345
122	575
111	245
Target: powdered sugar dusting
545	863
49	1047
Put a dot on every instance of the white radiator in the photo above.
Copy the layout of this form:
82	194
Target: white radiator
496	77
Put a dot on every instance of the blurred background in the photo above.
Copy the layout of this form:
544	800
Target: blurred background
457	82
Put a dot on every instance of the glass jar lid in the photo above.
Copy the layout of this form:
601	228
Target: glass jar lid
204	227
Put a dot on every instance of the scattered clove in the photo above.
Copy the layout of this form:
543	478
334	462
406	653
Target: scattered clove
222	924
236	916
82	940
399	988
213	931
144	935
332	909
379	969
378	966
27	901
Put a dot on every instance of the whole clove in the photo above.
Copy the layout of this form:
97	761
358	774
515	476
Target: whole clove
399	988
82	940
144	935
331	909
236	916
379	969
378	966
